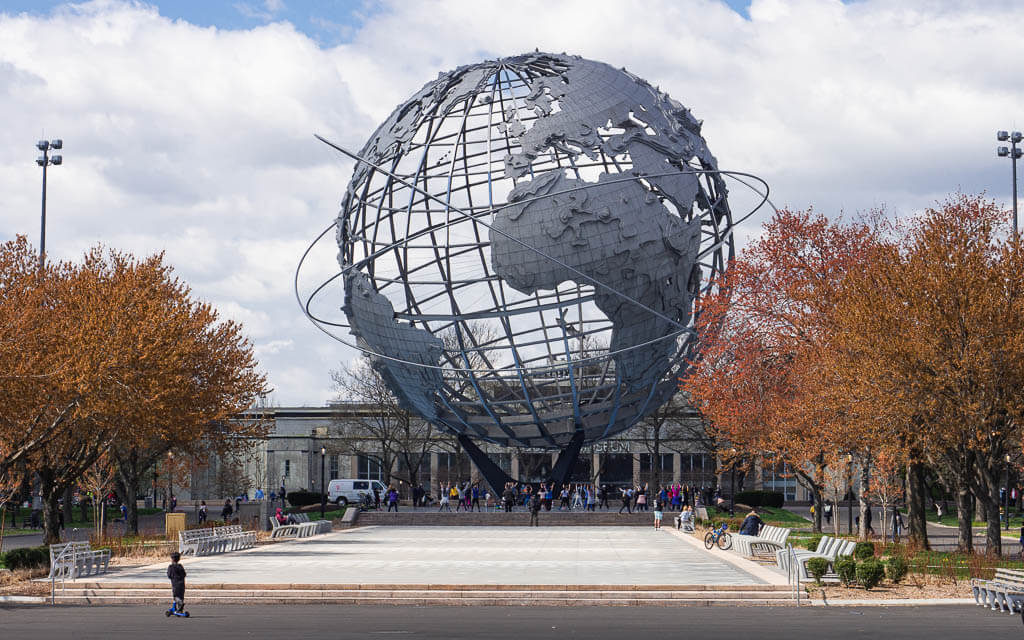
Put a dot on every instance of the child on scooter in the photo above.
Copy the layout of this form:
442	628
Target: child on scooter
176	574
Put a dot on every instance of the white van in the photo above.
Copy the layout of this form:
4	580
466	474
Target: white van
346	490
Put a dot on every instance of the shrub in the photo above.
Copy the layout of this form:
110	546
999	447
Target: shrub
896	568
864	550
846	568
303	498
761	498
870	572
812	543
817	568
27	558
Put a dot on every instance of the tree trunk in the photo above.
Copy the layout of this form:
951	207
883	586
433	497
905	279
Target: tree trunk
917	505
993	534
51	510
69	512
964	516
863	503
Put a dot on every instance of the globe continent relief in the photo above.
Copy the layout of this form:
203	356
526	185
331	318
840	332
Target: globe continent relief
523	246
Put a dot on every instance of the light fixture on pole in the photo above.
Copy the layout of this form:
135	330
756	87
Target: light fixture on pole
323	488
44	161
1013	153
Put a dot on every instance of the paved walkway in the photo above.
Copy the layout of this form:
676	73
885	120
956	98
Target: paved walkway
466	555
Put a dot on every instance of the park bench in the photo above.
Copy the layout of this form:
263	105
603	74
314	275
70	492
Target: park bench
828	548
74	559
767	542
279	530
201	542
322	526
1004	592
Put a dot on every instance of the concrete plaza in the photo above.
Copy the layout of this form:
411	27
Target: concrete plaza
472	555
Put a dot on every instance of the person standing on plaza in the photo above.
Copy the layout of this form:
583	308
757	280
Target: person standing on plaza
659	513
476	498
535	510
445	504
392	499
563	495
591	498
508	498
641	498
627	500
202	512
459	497
605	497
826	512
225	513
577	499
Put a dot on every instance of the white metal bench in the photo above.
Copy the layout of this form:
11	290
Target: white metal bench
1004	592
201	542
768	541
322	526
73	559
829	548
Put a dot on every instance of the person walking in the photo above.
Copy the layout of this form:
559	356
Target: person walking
897	524
535	510
826	512
392	497
202	512
225	513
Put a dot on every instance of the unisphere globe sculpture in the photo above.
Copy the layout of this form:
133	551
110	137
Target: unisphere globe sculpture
522	243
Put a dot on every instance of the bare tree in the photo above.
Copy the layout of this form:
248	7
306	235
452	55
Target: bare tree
381	430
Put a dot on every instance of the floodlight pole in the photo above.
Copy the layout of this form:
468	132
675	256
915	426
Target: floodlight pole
323	488
1013	153
44	161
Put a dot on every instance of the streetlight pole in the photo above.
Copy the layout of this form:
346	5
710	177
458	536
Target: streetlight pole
1006	493
44	161
323	488
1003	152
849	494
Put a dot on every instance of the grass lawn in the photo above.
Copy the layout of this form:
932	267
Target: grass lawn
949	519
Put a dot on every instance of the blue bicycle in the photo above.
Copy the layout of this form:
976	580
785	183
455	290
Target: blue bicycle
719	536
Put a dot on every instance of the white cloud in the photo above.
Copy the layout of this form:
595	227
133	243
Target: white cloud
198	141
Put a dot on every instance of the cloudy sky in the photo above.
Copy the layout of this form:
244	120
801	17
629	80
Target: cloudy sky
188	124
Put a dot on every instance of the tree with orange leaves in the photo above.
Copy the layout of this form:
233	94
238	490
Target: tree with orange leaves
115	354
932	339
761	339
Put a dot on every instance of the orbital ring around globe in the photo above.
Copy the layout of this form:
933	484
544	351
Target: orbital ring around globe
320	322
522	246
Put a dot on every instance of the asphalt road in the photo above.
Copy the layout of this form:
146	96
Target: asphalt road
511	623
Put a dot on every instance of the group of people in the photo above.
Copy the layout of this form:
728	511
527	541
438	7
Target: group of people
466	496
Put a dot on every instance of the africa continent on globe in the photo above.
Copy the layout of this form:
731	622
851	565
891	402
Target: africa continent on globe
522	244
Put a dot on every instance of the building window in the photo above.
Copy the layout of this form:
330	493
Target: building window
287	469
369	469
334	466
779	478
